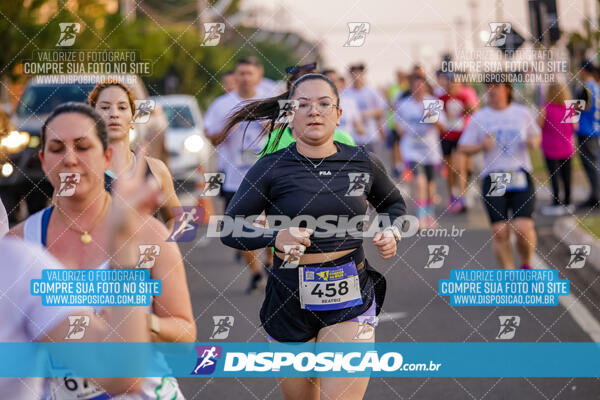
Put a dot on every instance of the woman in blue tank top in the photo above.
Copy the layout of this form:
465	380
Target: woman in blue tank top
74	155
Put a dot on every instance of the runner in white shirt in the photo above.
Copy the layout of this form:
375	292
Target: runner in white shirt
419	129
239	150
228	81
505	131
265	87
268	88
372	106
231	160
351	120
25	319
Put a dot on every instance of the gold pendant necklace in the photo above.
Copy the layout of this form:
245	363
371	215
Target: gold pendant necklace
85	237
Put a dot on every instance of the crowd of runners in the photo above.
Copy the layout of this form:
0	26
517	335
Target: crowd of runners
432	126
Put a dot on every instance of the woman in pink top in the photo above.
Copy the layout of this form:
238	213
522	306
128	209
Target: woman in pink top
557	146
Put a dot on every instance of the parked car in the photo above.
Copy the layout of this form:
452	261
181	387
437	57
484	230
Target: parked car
21	175
185	141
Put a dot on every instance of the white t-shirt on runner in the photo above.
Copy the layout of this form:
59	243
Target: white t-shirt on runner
24	318
350	114
420	141
511	127
268	88
240	150
366	98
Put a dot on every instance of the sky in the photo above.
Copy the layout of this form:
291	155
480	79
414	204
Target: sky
403	32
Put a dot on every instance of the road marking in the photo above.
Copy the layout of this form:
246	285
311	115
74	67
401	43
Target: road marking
578	311
384	317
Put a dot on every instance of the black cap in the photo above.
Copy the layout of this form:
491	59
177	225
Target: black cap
587	66
359	67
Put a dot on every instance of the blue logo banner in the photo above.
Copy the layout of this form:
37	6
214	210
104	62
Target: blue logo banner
259	359
95	287
503	287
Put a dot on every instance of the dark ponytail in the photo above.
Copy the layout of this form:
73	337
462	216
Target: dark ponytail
255	110
268	110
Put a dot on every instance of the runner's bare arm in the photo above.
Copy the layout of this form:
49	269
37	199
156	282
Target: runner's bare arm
173	306
375	112
114	324
533	141
486	144
359	127
162	174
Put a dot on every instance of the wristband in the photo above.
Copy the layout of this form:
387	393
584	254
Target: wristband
395	231
154	323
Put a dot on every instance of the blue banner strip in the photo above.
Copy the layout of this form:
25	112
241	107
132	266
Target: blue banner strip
259	359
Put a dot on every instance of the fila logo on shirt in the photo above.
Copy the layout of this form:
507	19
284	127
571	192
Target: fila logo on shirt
325	173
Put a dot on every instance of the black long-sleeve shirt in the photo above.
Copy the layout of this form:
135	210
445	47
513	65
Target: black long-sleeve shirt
285	183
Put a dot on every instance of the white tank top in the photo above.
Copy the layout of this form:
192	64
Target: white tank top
72	388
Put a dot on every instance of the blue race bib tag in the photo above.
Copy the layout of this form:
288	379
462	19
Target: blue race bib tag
331	288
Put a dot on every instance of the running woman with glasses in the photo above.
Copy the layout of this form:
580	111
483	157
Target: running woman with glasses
314	177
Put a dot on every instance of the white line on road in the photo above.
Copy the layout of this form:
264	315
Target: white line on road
580	314
384	317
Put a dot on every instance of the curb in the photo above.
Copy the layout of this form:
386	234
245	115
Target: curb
567	231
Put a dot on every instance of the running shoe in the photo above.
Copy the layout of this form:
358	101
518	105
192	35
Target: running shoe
452	201
459	205
554	210
525	266
256	282
407	175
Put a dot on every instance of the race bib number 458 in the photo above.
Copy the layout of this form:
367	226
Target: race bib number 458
330	288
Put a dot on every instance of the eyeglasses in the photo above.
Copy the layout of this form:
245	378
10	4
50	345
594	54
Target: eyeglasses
323	107
294	69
